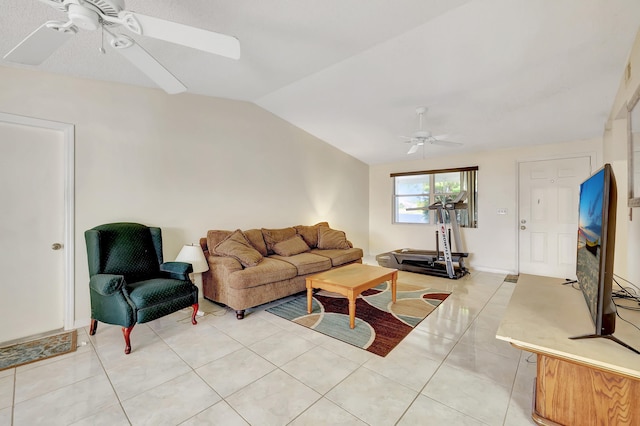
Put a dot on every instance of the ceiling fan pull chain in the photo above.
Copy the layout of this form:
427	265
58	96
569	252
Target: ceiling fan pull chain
102	41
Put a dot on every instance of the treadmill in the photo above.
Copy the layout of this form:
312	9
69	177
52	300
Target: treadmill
443	263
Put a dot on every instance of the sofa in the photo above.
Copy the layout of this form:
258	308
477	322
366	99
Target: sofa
256	266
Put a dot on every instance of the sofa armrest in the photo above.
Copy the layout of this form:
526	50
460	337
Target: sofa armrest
214	280
106	284
177	270
204	247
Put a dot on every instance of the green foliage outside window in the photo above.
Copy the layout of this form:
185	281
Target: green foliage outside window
413	195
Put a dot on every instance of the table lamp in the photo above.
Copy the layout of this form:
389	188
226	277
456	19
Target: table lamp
192	253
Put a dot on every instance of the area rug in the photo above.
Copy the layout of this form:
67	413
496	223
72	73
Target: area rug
511	278
36	350
380	324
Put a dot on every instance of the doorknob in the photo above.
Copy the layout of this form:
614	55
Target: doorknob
56	246
523	227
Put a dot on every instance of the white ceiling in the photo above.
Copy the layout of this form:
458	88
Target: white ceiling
493	73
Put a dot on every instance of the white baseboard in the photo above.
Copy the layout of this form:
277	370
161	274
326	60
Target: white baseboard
493	270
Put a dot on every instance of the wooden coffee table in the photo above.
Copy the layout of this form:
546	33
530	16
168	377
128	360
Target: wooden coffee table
350	281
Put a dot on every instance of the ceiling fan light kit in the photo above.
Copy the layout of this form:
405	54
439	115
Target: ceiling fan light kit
91	15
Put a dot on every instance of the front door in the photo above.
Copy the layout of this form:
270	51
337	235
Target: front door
32	274
548	215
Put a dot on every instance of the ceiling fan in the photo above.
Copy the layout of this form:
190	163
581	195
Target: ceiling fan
421	137
108	15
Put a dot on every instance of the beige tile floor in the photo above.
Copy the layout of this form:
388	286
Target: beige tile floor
264	370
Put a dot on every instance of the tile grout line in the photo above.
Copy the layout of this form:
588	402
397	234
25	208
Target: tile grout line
445	358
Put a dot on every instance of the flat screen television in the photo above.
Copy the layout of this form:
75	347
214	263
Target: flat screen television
595	250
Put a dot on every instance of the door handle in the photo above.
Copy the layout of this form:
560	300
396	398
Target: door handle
56	246
523	227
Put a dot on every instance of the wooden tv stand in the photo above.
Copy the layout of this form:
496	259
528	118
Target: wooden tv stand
578	382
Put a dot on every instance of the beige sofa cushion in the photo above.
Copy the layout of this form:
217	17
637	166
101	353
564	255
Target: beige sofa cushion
268	271
254	236
340	257
257	241
290	247
310	233
215	237
273	236
332	239
237	246
306	263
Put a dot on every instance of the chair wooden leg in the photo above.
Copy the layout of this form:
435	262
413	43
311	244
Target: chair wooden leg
195	312
93	327
127	340
240	314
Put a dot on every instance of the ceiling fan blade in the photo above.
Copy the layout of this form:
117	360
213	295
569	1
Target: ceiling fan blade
147	64
58	4
208	41
41	43
413	149
445	143
441	137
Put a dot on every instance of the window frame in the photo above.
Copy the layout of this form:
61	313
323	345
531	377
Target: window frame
472	195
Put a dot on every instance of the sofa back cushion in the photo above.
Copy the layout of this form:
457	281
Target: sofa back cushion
257	241
291	247
215	237
237	246
310	233
274	236
332	239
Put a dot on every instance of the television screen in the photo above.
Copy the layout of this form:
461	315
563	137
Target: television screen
596	240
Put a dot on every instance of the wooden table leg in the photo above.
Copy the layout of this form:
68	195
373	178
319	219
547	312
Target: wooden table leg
394	282
309	296
352	309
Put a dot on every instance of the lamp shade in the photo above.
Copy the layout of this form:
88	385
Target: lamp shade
193	254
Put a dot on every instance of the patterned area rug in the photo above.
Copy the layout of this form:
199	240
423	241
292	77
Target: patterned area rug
37	350
380	324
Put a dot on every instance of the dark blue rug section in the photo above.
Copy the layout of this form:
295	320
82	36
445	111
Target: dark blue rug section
36	350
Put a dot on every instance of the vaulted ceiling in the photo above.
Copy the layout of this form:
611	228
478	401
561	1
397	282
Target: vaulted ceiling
492	73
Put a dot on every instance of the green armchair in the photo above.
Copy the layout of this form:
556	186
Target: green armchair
129	283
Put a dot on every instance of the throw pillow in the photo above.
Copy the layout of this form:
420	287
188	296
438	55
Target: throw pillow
215	237
310	233
257	241
237	246
292	246
273	236
332	239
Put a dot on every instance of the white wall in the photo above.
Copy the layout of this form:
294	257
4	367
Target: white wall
188	163
493	246
628	223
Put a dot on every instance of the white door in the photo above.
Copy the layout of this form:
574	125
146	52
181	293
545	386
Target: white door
548	215
32	286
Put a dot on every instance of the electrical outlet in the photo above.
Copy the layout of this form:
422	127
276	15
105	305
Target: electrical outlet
502	211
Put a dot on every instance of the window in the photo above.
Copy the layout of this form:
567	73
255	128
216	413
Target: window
414	192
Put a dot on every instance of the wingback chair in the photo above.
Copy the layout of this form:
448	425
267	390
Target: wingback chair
129	283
